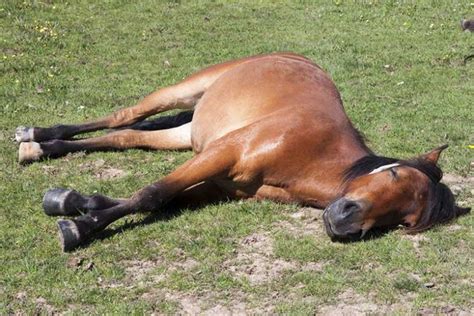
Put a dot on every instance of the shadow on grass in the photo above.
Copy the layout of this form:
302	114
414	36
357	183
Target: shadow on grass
168	213
372	234
173	211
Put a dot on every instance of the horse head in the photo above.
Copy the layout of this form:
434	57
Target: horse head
385	192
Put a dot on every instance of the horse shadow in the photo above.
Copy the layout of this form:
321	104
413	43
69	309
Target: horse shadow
172	211
166	214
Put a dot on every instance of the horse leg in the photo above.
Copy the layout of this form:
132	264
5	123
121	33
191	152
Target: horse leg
173	138
162	122
183	95
66	202
213	162
70	202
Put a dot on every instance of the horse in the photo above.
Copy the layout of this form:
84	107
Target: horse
263	127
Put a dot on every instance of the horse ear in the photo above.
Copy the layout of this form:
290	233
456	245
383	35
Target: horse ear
433	155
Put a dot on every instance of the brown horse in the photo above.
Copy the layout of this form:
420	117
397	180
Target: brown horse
264	127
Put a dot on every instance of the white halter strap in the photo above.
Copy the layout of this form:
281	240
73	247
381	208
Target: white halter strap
385	167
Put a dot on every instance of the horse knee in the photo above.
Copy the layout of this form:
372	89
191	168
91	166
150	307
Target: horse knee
124	117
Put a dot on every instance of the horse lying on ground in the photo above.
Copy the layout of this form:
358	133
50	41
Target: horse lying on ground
264	127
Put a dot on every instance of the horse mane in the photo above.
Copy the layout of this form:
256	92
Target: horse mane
440	207
365	165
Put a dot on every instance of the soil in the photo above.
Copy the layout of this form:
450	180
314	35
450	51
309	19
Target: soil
101	170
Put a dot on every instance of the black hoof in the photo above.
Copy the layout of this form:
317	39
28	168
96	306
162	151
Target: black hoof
62	202
69	236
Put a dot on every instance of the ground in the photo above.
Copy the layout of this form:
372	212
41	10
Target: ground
401	72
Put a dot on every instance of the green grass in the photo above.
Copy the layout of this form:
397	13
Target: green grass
400	71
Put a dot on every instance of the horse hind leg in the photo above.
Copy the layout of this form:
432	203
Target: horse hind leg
180	96
183	95
170	139
162	122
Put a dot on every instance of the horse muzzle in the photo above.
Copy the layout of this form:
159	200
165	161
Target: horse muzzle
343	218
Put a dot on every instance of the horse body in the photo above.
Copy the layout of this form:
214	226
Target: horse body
281	113
265	127
259	88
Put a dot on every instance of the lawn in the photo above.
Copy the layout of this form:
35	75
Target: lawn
401	74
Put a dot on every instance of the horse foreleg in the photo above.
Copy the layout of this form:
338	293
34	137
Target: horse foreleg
215	161
70	202
66	202
173	138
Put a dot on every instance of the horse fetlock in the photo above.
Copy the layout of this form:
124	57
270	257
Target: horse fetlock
29	152
63	202
98	202
24	134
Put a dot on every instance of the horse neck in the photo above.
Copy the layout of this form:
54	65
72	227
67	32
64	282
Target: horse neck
323	180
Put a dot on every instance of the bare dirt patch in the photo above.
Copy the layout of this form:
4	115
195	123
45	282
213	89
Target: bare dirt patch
210	303
101	170
97	168
43	307
110	173
444	310
136	274
207	304
307	221
137	270
51	170
417	241
450	178
149	272
458	184
254	260
350	303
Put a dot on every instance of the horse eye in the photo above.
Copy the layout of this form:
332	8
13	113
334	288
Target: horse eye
393	172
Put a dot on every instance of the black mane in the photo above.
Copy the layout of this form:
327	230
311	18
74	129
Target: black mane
365	165
368	163
441	206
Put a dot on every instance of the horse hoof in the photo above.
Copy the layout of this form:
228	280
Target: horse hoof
69	236
62	202
24	134
29	152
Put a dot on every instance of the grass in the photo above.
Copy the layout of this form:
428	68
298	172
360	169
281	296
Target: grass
400	71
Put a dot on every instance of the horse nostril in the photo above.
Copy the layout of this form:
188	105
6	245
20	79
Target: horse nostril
350	207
